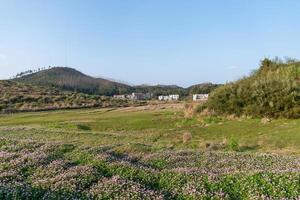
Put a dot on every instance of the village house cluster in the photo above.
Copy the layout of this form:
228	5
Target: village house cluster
171	97
175	97
134	96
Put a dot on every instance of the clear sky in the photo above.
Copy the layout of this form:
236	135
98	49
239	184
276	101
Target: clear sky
148	41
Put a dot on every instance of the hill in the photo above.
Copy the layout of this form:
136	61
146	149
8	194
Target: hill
72	80
16	97
272	91
69	79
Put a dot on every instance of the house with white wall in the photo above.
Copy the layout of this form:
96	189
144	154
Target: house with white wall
171	97
200	97
174	97
121	96
134	96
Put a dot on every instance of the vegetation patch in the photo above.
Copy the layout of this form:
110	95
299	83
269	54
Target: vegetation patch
83	127
271	91
20	97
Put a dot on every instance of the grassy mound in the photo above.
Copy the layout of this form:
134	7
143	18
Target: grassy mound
272	91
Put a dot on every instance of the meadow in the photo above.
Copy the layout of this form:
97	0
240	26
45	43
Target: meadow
147	152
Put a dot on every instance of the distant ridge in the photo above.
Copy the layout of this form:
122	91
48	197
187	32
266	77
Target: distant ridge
203	88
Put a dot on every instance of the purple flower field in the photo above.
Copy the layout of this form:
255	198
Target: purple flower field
33	170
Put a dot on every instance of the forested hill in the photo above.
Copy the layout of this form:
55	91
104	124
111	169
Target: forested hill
272	91
73	80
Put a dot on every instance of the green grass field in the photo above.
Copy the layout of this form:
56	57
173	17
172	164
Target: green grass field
139	153
154	129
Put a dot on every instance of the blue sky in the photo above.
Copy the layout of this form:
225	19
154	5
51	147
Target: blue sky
148	41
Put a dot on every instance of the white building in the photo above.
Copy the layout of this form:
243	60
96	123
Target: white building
171	97
174	97
139	96
200	97
122	96
134	96
161	98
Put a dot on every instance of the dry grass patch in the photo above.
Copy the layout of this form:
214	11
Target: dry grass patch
186	137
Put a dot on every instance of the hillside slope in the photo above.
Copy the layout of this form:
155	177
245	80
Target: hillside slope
272	91
73	80
16	97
